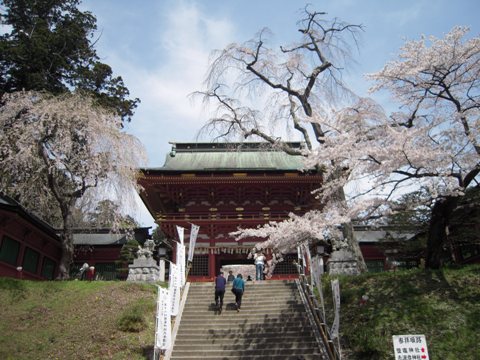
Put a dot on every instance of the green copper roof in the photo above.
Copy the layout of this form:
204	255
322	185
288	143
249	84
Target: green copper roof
229	157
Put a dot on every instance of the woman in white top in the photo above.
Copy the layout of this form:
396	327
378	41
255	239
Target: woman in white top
259	264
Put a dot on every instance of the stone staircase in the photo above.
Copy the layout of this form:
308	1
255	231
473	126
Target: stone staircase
272	324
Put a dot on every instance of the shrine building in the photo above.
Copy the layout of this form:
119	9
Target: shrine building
221	187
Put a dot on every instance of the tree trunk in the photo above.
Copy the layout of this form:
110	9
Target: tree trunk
349	236
67	245
437	231
67	256
354	246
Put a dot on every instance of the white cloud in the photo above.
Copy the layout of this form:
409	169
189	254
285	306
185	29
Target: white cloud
166	112
401	17
179	46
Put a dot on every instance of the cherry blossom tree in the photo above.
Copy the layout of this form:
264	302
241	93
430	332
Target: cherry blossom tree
432	142
292	87
55	151
437	83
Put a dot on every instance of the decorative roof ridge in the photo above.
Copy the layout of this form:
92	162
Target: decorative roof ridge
178	147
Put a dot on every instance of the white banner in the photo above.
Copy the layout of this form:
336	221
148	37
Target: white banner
181	263
307	257
317	271
181	232
174	289
336	304
193	241
317	268
299	256
163	334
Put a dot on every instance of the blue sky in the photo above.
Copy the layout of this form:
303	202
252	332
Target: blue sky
161	48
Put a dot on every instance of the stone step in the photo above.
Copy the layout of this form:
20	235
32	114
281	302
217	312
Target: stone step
246	354
264	314
255	308
250	283
253	290
233	315
271	291
247	300
298	330
247	288
229	295
246	346
313	356
245	325
246	297
259	310
290	338
264	291
230	310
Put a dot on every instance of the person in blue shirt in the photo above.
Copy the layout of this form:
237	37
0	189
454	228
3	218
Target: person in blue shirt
238	288
220	283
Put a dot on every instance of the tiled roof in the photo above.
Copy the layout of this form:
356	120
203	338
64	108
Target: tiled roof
230	157
99	239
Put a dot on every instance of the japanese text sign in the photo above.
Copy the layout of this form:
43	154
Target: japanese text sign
410	347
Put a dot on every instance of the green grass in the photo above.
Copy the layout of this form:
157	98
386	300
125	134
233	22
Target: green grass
74	320
443	305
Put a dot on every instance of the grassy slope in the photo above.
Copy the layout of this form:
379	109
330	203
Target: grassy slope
80	320
443	305
74	320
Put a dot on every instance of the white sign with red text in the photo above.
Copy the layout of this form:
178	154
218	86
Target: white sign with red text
410	347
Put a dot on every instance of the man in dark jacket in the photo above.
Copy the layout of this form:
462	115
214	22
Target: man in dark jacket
220	283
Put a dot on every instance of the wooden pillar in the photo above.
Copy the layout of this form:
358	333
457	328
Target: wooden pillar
211	265
174	252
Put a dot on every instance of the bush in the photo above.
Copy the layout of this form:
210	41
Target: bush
132	318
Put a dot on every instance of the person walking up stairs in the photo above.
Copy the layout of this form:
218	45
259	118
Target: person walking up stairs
238	288
220	283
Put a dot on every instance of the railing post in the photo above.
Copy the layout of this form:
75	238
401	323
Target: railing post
318	319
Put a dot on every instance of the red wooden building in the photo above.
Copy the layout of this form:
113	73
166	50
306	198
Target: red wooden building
29	247
101	248
223	186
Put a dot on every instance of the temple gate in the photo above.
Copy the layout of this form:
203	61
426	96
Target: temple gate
223	186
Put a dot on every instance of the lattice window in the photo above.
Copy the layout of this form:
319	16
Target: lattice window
407	264
199	265
375	265
48	268
30	260
106	271
9	250
286	266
